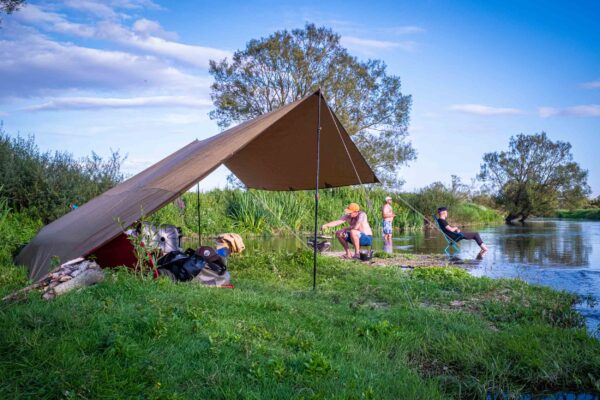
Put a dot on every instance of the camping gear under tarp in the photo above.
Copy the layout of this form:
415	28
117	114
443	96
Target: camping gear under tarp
275	151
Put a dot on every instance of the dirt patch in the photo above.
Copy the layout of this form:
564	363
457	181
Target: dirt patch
404	261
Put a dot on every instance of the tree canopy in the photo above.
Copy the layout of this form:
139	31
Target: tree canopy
286	66
534	177
10	6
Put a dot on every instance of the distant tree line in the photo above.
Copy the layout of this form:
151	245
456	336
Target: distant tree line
47	183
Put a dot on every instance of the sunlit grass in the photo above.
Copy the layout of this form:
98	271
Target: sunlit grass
365	333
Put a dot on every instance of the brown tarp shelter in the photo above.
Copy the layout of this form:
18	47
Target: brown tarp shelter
276	151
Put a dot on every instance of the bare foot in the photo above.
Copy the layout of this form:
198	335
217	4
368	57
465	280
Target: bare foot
484	247
481	254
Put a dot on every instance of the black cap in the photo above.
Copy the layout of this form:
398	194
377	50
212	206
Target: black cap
442	209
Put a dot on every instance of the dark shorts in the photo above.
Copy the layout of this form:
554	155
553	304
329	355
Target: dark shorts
365	240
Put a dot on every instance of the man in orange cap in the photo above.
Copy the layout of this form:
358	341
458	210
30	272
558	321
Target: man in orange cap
358	232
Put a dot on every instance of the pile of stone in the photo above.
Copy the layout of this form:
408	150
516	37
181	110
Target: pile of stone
71	275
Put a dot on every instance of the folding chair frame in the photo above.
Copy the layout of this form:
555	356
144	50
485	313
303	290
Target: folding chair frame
451	243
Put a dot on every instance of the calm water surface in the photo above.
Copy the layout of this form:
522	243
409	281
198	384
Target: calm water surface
562	254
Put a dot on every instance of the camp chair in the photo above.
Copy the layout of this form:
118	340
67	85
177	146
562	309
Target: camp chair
451	243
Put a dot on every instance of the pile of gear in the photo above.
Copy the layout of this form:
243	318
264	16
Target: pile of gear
206	265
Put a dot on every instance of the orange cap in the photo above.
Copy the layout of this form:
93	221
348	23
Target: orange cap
352	207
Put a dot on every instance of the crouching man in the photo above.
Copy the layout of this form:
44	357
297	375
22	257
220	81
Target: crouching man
358	233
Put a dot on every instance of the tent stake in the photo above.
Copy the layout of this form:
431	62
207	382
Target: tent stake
198	213
317	191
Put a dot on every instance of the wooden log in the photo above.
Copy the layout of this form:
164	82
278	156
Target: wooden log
87	278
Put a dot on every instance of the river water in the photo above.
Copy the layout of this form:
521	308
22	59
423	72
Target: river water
562	254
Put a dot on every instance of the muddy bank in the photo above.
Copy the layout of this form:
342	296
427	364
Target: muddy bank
407	260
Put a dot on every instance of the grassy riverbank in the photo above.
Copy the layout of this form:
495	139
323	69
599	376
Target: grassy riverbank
365	333
261	212
588	213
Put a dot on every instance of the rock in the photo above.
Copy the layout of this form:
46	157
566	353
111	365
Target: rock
65	278
457	303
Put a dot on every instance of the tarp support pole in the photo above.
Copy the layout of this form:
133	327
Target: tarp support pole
198	212
317	191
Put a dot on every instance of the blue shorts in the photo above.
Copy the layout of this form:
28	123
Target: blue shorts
387	227
365	240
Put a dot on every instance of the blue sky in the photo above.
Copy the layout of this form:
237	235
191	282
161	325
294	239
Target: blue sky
91	75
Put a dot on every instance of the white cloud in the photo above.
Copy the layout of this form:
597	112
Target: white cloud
368	43
99	9
371	47
79	103
34	65
480	109
197	56
107	9
591	85
145	35
590	110
146	27
34	15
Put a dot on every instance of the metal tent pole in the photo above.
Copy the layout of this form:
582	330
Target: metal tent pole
317	191
198	213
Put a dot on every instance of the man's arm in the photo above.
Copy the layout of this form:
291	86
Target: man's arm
332	224
452	228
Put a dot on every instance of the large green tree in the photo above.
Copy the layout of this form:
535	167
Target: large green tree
534	177
271	72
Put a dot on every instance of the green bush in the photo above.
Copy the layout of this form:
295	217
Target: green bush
16	229
46	183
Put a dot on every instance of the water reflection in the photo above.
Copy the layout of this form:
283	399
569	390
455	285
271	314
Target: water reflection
545	243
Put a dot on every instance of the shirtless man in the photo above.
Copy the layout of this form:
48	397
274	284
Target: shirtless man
388	218
358	232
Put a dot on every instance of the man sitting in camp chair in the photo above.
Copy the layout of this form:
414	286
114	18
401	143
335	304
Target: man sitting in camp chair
454	233
358	232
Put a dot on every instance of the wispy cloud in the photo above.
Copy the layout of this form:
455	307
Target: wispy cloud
371	46
33	65
589	110
145	35
197	56
591	84
79	103
376	44
480	109
146	27
128	58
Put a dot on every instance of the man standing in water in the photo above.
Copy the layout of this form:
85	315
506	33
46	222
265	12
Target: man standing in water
388	218
454	233
358	232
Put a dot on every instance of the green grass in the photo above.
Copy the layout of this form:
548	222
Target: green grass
470	213
378	333
589	213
